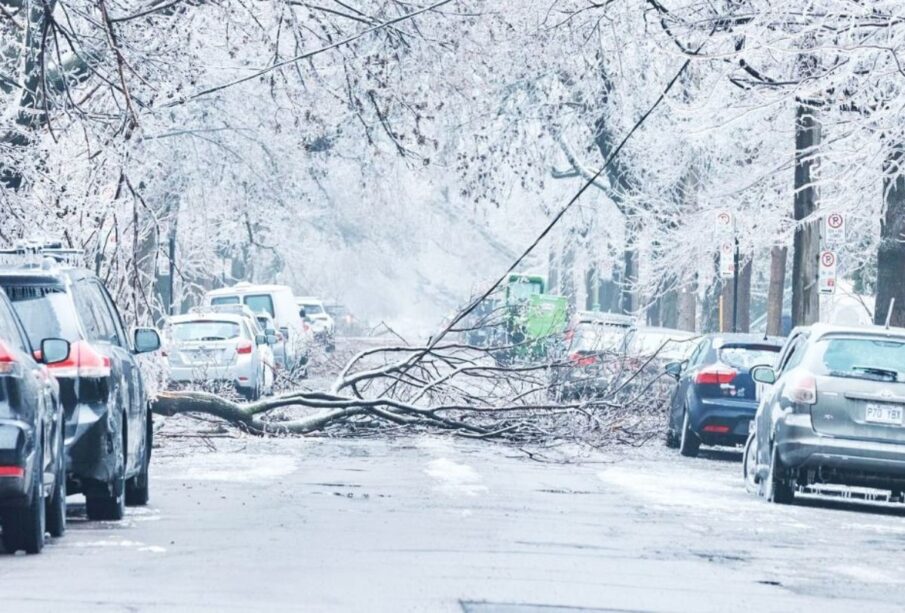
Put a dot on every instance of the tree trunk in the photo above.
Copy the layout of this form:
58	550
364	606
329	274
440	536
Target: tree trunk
744	298
628	300
891	252
775	291
805	300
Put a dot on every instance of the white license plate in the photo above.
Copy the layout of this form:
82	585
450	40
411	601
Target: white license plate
884	414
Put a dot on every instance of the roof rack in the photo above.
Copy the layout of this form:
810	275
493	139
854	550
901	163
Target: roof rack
32	254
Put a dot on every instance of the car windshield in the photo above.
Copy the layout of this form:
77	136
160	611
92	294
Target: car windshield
597	338
747	356
260	303
862	358
204	331
312	309
265	324
46	311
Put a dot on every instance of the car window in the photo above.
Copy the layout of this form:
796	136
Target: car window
9	331
204	330
260	303
93	312
794	356
46	311
878	359
312	309
747	356
119	327
591	337
699	352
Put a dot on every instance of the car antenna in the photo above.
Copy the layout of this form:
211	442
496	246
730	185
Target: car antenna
892	303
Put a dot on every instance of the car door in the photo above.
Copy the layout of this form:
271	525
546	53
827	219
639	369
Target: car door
789	357
677	402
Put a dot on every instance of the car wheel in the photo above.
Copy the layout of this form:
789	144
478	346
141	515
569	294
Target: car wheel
749	464
137	488
689	443
110	505
23	528
672	441
779	485
56	504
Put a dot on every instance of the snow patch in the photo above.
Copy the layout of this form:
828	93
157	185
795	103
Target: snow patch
866	574
153	549
233	468
455	478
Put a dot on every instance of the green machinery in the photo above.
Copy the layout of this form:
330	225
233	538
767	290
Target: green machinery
533	317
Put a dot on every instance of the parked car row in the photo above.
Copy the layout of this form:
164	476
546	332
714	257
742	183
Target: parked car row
822	408
74	412
241	336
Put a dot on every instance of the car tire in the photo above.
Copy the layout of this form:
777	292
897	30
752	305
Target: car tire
672	441
749	464
138	487
689	443
23	528
110	505
55	511
779	486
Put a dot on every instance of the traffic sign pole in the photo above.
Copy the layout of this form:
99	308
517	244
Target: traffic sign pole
735	289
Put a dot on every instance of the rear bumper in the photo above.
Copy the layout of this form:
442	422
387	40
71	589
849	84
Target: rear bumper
838	460
17	449
241	373
731	414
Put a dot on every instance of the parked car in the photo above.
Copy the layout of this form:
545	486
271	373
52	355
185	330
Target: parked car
278	302
715	398
833	412
108	419
32	452
595	350
312	310
212	347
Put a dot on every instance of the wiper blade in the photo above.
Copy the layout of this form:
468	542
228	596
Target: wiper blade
213	338
879	372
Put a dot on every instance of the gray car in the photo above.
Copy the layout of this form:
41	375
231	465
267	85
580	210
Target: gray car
832	412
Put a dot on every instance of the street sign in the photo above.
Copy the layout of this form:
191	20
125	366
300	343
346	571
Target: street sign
834	229
727	259
826	275
723	222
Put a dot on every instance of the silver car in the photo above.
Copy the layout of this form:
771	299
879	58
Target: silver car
216	348
832	412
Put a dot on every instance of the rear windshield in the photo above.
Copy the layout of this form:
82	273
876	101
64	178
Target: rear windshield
225	300
46	311
663	345
312	309
747	356
260	303
598	338
861	358
204	331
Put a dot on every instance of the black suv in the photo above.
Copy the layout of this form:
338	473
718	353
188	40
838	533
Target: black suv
32	458
108	418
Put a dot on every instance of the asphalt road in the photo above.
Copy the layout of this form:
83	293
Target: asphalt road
431	524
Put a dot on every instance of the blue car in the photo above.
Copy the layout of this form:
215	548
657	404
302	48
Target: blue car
716	398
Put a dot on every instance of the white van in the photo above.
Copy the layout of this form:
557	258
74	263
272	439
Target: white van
278	302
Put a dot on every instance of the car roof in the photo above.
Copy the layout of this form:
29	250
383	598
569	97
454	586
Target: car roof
724	338
819	330
206	316
248	288
308	300
670	331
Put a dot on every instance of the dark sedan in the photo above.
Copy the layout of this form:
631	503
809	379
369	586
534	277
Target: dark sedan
716	399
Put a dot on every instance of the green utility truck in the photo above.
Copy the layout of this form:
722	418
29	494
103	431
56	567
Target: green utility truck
534	318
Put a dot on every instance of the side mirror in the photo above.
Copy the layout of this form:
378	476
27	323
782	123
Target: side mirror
764	374
285	331
271	338
302	313
54	350
675	369
146	340
260	339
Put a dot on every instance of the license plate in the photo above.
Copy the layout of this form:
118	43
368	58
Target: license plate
884	414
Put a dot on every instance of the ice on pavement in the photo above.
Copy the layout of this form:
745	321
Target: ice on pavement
455	478
232	467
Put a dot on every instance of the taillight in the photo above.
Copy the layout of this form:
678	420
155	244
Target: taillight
716	429
8	364
12	471
83	361
717	375
801	388
583	360
245	347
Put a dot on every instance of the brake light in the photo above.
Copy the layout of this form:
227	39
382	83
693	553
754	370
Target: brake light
8	365
245	347
583	360
716	375
716	429
84	361
12	471
801	388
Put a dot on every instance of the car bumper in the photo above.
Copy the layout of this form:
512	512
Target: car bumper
722	421
838	460
17	449
242	374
